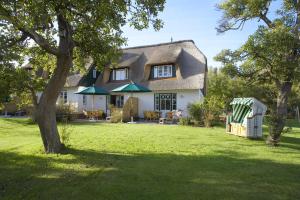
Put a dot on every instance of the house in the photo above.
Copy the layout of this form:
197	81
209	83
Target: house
175	72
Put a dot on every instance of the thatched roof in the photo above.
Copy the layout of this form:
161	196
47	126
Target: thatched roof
73	80
127	59
190	64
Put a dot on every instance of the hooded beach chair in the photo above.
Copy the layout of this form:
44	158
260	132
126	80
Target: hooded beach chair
247	117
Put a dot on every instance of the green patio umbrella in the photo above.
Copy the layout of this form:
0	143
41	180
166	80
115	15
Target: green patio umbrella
131	88
93	90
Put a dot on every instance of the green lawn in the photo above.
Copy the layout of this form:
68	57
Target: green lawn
123	161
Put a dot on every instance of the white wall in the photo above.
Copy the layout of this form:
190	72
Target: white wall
99	102
146	100
184	97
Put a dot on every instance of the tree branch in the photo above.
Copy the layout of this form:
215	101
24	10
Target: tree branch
263	16
39	39
14	41
33	94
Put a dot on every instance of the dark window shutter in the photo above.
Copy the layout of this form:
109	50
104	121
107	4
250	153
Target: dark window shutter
111	75
173	71
152	72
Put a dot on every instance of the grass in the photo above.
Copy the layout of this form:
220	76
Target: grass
123	161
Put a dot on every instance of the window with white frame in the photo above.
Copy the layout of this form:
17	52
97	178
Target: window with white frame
165	101
162	71
94	73
64	97
120	74
84	100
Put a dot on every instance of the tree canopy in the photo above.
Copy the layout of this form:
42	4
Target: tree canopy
270	55
64	32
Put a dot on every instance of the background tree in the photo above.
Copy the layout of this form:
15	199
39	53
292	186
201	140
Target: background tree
269	56
68	30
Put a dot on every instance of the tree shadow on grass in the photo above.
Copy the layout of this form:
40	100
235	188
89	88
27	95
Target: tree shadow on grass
290	142
21	121
86	174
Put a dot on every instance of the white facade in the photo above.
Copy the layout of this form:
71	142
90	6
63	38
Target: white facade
145	100
76	101
183	98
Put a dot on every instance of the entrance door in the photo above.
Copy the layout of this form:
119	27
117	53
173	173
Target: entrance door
165	102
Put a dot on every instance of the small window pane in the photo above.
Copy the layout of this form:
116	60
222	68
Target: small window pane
94	73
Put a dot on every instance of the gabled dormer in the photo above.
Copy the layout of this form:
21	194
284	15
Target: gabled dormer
162	71
119	74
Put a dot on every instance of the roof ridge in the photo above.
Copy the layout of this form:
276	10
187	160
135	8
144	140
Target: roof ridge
159	44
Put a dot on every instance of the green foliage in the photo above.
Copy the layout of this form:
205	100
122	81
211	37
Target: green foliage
96	25
31	29
195	110
270	57
185	121
65	131
212	107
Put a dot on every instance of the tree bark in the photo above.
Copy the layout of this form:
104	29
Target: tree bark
46	108
279	117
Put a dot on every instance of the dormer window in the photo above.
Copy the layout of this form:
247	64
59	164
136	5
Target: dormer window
163	71
120	74
94	73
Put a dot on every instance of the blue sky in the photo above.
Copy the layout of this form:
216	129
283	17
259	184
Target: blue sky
196	20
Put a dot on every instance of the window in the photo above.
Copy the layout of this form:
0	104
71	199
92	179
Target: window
163	71
63	97
94	73
84	100
165	101
117	100
120	74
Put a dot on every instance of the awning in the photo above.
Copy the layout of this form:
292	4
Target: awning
131	88
246	107
241	108
243	101
93	90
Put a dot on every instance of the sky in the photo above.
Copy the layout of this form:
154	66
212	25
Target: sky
196	20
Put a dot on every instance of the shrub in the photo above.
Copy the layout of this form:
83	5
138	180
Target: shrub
116	115
212	107
206	112
185	121
195	110
65	132
64	112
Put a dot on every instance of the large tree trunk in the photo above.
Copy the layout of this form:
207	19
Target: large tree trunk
278	117
46	107
46	119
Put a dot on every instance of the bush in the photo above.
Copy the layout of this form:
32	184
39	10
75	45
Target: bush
65	113
195	110
65	132
185	121
206	112
116	115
